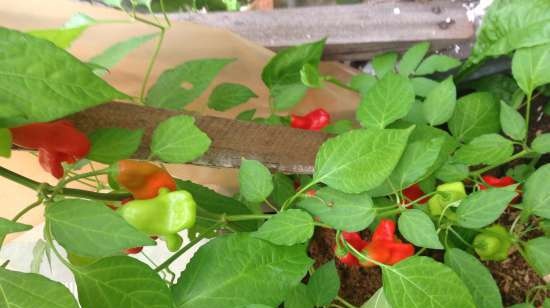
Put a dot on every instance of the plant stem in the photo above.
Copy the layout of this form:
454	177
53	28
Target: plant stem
527	115
164	14
289	202
49	240
78	193
246	217
93	173
337	82
345	302
27	209
511	158
19	179
151	64
189	245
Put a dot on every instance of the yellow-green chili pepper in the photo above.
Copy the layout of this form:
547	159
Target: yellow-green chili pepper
447	194
493	243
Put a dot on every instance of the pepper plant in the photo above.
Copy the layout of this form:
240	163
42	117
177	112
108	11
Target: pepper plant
419	167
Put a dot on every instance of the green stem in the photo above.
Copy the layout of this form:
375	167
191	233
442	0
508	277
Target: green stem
27	209
511	158
527	115
49	240
246	217
151	64
86	175
78	193
358	254
289	201
19	179
146	21
337	82
164	14
345	302
185	248
460	237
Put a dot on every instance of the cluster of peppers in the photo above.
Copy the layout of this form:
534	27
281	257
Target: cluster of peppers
314	120
384	246
56	142
157	208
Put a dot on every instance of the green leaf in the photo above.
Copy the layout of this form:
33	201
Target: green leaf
378	300
41	91
62	38
415	163
520	172
509	25
213	202
436	63
112	55
423	282
298	297
483	207
417	228
412	58
179	140
228	95
7	226
5	142
523	305
536	193
502	86
440	103
239	270
121	282
423	86
179	86
113	3
339	127
359	160
416	114
486	149
21	290
384	63
113	144
537	252
348	212
310	77
476	277
362	82
287	228
246	115
283	189
452	172
541	144
475	114
282	74
255	181
531	67
388	100
324	284
146	3
512	122
89	228
79	20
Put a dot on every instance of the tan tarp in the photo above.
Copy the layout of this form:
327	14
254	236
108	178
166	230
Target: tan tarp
184	41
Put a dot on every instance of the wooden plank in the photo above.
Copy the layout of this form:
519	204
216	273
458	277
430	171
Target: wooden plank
353	32
280	148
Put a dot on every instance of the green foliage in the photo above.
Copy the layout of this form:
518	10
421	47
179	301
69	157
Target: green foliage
33	290
390	99
179	140
38	95
121	282
246	115
179	86
423	282
537	252
423	86
7	226
378	300
359	160
113	144
512	122
228	95
283	189
440	103
342	211
531	67
412	58
324	284
541	144
339	127
536	193
436	63
384	63
503	87
476	277
89	228
287	228
362	82
62	38
256	183
417	228
298	297
483	207
282	74
310	76
476	114
486	149
244	263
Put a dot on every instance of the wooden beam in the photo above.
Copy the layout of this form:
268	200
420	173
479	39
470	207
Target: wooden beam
280	148
353	32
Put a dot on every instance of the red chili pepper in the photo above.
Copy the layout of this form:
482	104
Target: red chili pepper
493	181
355	240
414	192
314	120
56	142
385	247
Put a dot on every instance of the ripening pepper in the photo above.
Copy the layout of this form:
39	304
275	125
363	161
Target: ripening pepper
414	192
56	142
504	181
447	194
5	142
346	257
493	243
385	247
142	178
314	120
164	216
